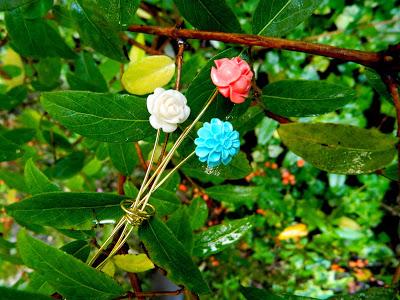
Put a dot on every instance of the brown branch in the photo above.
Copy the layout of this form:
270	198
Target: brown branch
179	63
140	155
370	59
134	280
151	294
121	181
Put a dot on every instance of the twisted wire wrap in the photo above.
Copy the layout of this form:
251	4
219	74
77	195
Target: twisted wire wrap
135	216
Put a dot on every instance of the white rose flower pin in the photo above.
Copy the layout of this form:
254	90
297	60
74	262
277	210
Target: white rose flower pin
167	108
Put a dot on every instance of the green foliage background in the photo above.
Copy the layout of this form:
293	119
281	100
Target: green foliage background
351	220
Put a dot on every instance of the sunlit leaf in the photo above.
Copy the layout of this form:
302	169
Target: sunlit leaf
144	76
134	263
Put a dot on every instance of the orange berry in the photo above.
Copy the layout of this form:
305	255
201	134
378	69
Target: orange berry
274	166
300	163
183	188
285	181
260	211
291	177
267	164
215	263
205	197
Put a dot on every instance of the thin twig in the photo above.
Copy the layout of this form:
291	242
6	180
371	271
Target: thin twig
151	294
146	49
370	59
140	155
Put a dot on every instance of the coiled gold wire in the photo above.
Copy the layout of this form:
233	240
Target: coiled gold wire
133	215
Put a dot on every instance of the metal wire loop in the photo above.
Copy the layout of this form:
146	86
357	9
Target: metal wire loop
134	215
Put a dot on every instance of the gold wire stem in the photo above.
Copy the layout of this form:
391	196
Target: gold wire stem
177	144
146	176
103	246
121	240
167	176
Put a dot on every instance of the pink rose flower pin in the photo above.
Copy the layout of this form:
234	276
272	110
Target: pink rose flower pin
232	78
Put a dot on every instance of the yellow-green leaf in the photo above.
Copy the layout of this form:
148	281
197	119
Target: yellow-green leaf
144	76
293	231
109	269
12	58
133	263
136	54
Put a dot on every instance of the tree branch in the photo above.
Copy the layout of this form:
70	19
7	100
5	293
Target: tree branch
389	60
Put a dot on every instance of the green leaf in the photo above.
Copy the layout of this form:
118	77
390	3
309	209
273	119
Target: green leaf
37	9
265	130
251	293
391	172
35	37
117	14
202	88
179	223
277	18
164	201
238	168
9	150
377	83
69	276
209	15
13	294
77	211
219	237
235	194
133	263
166	251
87	75
67	166
198	211
340	149
13	97
95	29
249	120
105	117
13	180
12	4
19	136
79	249
370	294
144	76
303	98
123	157
36	181
49	70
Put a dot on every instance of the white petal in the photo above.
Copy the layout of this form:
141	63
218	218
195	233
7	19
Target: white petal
155	122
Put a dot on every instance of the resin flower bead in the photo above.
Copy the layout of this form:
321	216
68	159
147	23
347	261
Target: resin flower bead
232	78
167	108
217	143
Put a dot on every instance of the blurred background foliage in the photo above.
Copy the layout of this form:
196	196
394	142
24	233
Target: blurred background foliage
315	234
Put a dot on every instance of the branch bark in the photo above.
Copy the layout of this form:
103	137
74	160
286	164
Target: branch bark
388	60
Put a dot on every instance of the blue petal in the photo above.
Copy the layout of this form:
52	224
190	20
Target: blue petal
214	156
216	121
204	133
202	151
213	164
234	135
211	143
233	151
227	160
225	154
228	127
199	141
227	144
236	144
